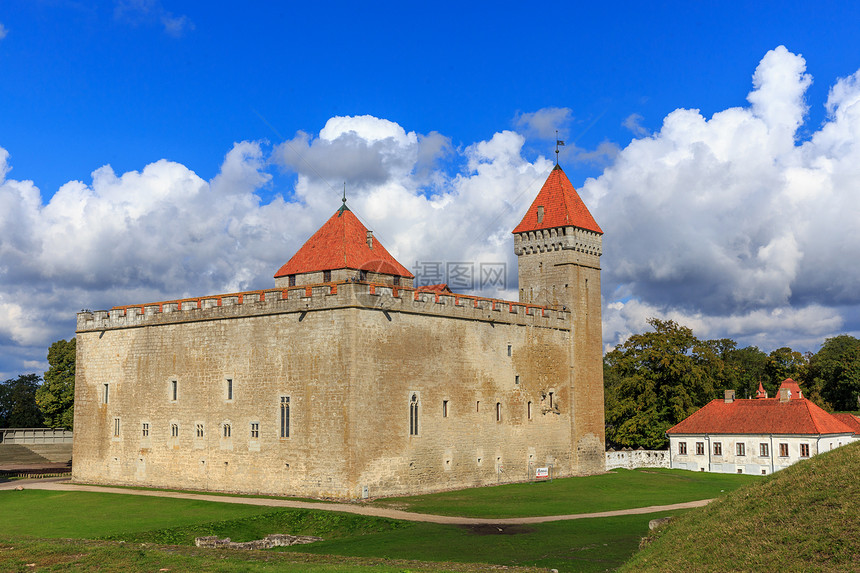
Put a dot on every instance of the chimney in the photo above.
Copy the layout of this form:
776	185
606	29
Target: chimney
729	396
540	213
784	395
370	239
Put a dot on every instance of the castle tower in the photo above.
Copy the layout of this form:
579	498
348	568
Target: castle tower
342	250
558	246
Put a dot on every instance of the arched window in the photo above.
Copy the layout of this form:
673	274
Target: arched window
413	415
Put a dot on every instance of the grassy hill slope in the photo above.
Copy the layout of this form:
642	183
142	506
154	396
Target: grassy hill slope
803	518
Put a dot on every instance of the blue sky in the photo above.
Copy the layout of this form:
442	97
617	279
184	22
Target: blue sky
450	116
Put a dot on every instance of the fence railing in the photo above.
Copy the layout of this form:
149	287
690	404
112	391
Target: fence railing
35	436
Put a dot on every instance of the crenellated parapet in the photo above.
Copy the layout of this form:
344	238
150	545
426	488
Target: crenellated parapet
558	239
329	296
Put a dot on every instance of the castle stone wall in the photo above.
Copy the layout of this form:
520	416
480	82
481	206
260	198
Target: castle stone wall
349	357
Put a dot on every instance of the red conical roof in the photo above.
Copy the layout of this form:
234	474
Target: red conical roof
341	243
562	207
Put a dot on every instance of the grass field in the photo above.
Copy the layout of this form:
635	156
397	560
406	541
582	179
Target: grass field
352	542
618	489
803	518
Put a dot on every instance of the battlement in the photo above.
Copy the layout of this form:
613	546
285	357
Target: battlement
561	238
328	296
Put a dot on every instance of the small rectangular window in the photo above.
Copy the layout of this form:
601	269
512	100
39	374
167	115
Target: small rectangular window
741	449
255	430
292	280
763	450
804	450
326	276
682	448
740	470
700	448
477	405
174	430
529	410
145	430
444	408
396	281
199	430
229	388
174	390
517	379
228	431
105	393
285	416
116	427
783	450
718	449
550	400
498	411
509	349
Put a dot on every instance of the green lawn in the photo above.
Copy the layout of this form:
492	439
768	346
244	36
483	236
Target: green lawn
618	489
149	523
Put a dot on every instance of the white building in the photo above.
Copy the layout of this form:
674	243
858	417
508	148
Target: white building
757	436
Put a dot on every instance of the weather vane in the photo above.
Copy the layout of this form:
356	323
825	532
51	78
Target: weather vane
558	143
344	192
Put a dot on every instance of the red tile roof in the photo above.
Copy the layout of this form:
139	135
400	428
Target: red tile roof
562	207
793	386
440	288
761	416
341	243
849	420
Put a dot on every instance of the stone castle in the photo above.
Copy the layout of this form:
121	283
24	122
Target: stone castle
346	381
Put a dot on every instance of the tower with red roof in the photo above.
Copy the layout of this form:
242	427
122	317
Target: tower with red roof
558	246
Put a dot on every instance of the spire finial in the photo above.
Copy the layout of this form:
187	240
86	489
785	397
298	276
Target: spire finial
558	143
343	207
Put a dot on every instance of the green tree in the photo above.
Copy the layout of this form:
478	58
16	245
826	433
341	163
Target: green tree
655	380
783	363
18	407
834	372
56	397
745	368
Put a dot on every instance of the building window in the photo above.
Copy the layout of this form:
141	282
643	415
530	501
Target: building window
255	430
145	430
229	384
174	430
763	451
292	280
116	427
718	448
362	276
199	430
498	411
700	448
783	450
517	379
804	450
396	281
740	449
740	470
550	400
682	448
285	416
444	408
509	349
105	393
326	276
174	390
228	431
529	410
413	415
477	405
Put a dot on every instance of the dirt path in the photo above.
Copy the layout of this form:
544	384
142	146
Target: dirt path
62	484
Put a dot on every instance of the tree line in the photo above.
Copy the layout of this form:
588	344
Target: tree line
29	401
656	379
